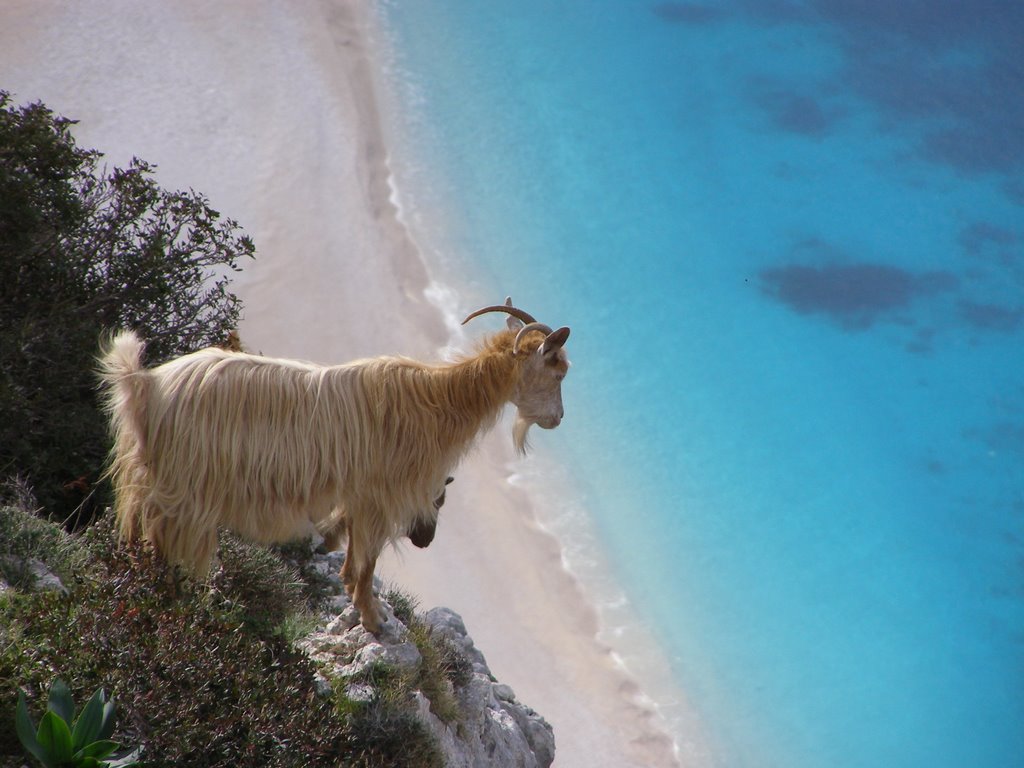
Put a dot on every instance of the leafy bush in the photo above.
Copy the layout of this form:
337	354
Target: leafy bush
204	677
199	685
257	585
84	251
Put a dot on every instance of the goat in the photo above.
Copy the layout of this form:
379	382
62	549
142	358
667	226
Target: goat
266	446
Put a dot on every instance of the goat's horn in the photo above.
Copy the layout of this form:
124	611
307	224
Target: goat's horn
534	326
519	314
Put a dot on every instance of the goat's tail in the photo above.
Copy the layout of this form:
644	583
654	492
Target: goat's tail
126	389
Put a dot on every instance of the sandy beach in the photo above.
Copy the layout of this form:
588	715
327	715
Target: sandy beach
272	112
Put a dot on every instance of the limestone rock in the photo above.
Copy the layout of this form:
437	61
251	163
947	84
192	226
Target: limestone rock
493	729
40	576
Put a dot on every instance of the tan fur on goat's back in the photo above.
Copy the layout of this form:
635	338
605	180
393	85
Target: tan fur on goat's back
265	446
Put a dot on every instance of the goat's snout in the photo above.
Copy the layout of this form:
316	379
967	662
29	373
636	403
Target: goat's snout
553	420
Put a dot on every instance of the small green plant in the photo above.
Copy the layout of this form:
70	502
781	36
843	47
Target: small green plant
63	740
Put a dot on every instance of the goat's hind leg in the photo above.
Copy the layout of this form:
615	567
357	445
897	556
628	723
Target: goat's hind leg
334	530
347	574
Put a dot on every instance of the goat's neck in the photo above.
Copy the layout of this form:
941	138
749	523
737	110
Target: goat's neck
480	385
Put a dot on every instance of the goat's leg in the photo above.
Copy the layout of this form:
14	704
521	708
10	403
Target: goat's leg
348	567
365	541
370	612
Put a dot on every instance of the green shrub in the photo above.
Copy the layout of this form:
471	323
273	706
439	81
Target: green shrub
84	251
204	677
257	585
402	604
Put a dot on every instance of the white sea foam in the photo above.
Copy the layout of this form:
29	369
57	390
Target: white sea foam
445	299
561	511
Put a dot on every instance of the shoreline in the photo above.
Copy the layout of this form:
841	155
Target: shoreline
567	639
274	115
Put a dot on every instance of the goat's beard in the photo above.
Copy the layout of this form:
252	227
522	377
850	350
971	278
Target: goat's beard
519	430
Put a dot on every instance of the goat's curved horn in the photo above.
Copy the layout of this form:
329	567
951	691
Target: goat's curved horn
534	326
519	314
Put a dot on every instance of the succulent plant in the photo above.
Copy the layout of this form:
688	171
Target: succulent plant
62	740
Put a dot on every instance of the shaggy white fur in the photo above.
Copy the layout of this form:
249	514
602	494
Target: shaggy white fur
266	447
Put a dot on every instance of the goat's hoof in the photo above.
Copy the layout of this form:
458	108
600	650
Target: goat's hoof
371	626
373	618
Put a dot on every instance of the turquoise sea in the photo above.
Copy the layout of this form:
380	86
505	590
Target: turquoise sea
789	238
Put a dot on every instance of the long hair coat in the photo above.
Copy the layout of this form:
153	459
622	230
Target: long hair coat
265	447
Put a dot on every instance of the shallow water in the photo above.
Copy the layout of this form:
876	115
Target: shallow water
789	238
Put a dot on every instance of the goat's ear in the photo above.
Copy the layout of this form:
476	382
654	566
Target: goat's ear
513	323
555	341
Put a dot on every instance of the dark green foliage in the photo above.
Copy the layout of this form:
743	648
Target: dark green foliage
257	584
84	251
386	732
313	583
404	605
452	662
386	736
203	677
197	685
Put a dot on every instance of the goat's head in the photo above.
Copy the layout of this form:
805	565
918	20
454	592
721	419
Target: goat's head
538	392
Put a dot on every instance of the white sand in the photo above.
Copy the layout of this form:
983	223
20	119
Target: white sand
270	110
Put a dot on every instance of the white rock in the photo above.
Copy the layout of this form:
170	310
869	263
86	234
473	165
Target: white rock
343	622
323	685
365	657
363	692
494	730
43	579
404	655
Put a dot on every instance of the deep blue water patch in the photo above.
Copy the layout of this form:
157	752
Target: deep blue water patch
993	317
1003	437
801	112
948	67
853	294
943	73
1014	190
688	13
985	239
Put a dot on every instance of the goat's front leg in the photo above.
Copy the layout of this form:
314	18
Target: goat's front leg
357	574
370	611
